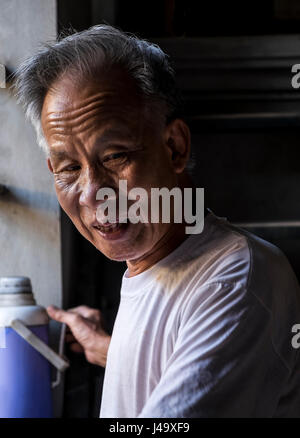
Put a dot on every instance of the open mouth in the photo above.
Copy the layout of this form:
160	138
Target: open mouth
110	229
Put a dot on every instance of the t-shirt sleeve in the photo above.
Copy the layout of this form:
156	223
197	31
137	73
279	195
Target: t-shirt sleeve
224	363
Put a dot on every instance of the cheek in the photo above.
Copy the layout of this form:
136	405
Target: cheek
148	174
155	178
156	171
67	201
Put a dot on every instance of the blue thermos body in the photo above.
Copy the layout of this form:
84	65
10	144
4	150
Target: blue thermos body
25	357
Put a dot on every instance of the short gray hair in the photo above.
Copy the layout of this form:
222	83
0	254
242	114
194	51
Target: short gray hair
82	53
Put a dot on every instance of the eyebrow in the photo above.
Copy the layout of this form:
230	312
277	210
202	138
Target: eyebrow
108	135
58	154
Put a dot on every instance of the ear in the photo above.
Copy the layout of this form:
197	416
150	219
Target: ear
178	142
49	165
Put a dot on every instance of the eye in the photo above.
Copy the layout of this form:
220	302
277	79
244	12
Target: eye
71	168
67	170
118	157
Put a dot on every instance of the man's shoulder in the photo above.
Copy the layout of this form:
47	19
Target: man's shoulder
221	254
224	254
238	255
268	267
229	255
268	282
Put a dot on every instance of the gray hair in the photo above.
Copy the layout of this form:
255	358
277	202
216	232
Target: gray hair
82	53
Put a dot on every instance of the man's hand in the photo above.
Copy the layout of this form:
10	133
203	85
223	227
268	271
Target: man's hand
87	335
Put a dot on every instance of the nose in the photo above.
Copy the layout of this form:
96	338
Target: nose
91	181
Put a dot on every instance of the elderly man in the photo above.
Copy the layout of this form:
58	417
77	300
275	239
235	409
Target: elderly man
205	321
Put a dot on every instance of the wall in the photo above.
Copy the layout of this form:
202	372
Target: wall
29	212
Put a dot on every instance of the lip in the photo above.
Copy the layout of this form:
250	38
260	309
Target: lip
107	224
108	233
121	218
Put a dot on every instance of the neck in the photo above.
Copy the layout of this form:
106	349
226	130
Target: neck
167	244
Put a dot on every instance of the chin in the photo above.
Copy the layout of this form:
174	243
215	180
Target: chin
112	255
125	252
115	251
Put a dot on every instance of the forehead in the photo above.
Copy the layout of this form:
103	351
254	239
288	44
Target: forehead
79	112
69	98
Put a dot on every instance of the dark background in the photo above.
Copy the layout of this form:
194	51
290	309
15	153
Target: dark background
233	62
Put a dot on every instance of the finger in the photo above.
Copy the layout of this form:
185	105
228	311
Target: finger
55	313
61	315
87	312
77	348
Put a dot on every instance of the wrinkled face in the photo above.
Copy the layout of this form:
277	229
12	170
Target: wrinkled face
98	134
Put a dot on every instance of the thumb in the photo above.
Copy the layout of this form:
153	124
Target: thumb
56	313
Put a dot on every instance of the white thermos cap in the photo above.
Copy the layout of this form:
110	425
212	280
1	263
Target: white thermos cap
15	285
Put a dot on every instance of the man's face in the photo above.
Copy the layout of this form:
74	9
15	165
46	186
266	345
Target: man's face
98	134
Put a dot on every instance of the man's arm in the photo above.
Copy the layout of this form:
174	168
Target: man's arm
224	363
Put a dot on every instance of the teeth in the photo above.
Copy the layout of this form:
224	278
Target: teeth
108	228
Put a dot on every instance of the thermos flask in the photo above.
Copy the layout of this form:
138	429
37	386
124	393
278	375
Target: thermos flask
25	357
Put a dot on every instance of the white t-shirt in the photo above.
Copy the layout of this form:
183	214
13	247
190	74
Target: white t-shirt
206	332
